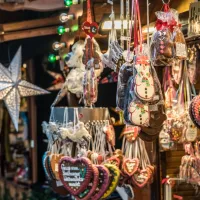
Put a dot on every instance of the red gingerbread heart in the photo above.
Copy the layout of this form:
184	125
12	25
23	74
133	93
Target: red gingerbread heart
90	29
89	191
130	166
114	160
141	178
75	174
104	182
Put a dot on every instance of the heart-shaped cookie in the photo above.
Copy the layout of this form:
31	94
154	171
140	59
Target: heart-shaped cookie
88	192
114	179
130	166
52	175
103	183
114	160
55	158
141	178
45	165
75	174
90	29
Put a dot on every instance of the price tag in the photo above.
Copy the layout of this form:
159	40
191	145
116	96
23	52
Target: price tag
59	183
181	50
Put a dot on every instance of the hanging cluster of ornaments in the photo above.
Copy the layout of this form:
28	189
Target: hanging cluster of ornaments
12	87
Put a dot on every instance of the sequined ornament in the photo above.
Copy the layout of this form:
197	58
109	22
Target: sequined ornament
12	87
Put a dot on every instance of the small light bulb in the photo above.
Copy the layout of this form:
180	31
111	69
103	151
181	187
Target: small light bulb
58	45
53	58
65	17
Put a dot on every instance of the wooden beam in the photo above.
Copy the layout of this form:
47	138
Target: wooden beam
28	34
37	5
16	26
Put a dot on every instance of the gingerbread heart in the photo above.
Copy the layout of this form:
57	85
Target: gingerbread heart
141	178
75	174
47	172
114	160
90	29
103	183
88	192
54	159
131	132
130	166
114	179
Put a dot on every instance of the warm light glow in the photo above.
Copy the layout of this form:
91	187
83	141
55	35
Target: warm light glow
151	30
107	25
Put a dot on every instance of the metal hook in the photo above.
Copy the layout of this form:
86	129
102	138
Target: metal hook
167	2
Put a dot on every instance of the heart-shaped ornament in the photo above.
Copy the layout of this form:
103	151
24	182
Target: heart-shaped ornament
52	175
90	29
114	160
114	179
45	166
130	166
104	182
141	178
55	158
89	191
75	174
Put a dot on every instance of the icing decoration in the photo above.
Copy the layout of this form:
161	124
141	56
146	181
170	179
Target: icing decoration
144	83
191	132
104	182
88	192
139	114
114	179
90	29
114	160
75	174
130	166
141	178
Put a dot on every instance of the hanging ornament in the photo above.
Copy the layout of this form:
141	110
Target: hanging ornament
12	87
58	82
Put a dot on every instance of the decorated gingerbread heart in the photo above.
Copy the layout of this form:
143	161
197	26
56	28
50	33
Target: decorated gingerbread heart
54	159
45	166
88	192
104	182
90	29
75	174
114	160
141	178
130	166
114	179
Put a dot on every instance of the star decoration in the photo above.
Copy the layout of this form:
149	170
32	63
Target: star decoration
12	87
58	82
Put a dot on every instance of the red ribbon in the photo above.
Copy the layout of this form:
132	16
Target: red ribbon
161	25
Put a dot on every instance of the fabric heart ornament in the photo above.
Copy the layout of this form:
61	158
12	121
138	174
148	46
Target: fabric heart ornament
104	182
114	179
141	178
90	29
90	189
75	174
130	166
54	159
114	160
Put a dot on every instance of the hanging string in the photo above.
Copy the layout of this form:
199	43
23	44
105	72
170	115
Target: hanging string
122	23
